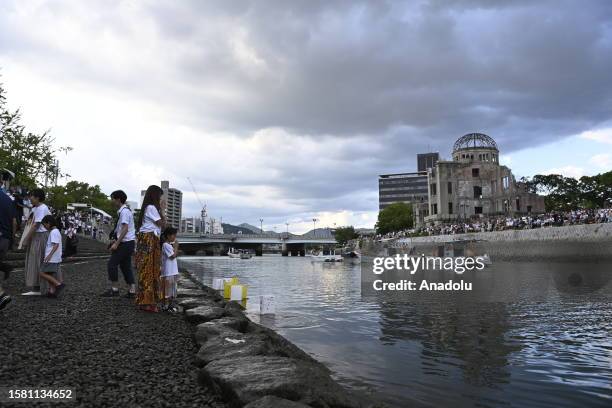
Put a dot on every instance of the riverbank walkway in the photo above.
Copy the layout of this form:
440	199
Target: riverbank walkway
112	354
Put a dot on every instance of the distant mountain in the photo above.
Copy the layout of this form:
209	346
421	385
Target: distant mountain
255	230
233	229
251	228
320	233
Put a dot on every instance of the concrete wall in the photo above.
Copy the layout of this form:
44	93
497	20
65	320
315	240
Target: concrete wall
577	242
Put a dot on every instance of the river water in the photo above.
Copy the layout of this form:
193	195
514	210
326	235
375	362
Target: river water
529	334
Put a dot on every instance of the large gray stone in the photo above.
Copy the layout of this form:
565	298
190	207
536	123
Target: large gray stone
278	345
271	401
191	303
203	314
233	344
227	326
246	379
187	283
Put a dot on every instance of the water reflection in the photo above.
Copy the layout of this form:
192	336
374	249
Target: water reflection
529	334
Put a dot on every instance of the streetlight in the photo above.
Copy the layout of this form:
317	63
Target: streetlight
287	224
261	225
314	227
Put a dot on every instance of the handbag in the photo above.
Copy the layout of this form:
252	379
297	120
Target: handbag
26	231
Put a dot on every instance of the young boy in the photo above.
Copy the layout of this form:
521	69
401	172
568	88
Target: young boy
122	247
53	257
169	271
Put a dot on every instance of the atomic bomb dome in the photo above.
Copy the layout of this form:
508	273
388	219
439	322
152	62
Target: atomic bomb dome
474	141
474	185
475	147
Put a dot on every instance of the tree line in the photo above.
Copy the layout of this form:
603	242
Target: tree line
569	193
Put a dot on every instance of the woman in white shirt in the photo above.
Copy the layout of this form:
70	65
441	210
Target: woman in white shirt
148	249
36	241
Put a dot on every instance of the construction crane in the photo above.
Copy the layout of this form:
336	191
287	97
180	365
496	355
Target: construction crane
203	212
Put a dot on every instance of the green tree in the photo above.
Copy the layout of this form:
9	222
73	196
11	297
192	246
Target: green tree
567	193
596	190
395	217
78	192
30	156
345	234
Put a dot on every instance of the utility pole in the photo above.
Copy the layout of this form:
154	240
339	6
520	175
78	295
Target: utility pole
287	224
314	227
261	225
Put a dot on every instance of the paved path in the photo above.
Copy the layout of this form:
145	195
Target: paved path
113	354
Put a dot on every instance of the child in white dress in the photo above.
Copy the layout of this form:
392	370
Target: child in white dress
169	269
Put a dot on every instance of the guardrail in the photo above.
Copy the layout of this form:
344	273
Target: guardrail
280	237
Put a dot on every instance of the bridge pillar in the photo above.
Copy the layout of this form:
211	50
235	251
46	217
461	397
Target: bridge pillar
284	251
259	250
302	252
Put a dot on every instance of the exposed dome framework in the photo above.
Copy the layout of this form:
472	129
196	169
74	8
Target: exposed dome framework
475	141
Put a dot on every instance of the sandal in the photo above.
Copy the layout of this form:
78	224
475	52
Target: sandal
150	309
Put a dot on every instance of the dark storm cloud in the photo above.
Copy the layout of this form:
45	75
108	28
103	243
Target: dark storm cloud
440	68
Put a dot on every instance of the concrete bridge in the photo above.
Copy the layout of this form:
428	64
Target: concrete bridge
219	244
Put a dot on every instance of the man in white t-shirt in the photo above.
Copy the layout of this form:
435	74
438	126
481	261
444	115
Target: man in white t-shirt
122	247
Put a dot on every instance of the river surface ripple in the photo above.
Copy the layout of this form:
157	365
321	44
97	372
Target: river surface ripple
547	344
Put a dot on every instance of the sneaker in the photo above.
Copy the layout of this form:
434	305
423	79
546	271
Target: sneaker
110	293
59	289
31	294
4	300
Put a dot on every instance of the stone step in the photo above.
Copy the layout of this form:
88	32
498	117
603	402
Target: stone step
16	256
20	263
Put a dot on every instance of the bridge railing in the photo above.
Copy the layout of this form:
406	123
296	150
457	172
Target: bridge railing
280	237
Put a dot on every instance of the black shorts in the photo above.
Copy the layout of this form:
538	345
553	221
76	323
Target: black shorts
50	268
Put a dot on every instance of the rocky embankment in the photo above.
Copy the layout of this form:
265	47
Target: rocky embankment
251	365
105	349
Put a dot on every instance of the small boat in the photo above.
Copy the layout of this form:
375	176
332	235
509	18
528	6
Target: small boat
351	255
330	256
239	254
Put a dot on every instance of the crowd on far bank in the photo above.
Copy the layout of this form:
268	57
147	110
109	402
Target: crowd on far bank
27	223
500	223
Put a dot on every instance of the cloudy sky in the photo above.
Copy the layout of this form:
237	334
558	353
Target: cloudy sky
288	110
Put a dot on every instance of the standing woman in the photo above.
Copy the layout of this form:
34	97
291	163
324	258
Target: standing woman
36	241
148	249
